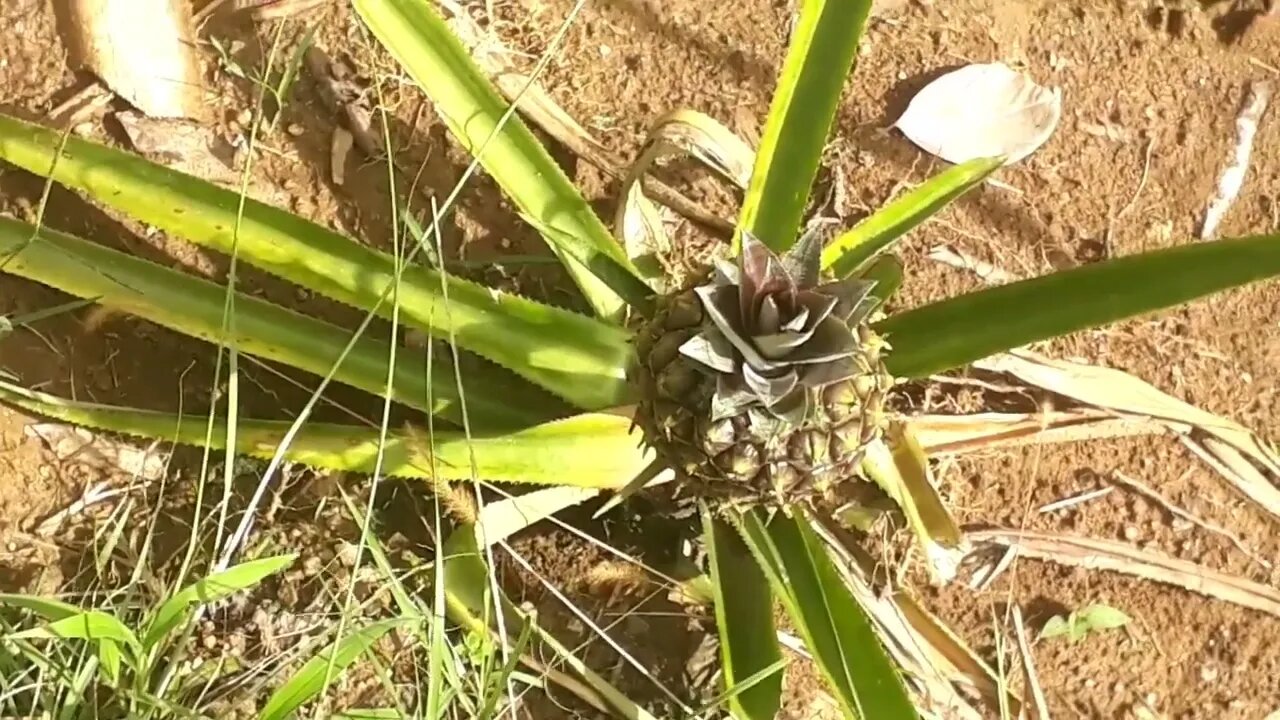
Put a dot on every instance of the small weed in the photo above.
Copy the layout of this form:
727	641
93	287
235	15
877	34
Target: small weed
1080	623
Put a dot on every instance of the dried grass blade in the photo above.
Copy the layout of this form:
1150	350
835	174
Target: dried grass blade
958	434
1122	558
1038	706
1245	456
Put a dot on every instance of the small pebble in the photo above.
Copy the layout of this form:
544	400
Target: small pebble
295	130
1130	533
244	117
1209	673
311	566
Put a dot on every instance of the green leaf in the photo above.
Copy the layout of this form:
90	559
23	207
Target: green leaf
744	616
212	588
819	60
1057	626
853	249
195	306
1080	623
44	607
834	626
109	658
480	119
85	625
1102	617
955	332
590	450
579	358
327	665
886	271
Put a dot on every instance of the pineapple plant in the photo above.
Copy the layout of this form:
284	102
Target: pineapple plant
761	383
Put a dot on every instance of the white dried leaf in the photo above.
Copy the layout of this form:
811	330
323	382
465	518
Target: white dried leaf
68	442
982	110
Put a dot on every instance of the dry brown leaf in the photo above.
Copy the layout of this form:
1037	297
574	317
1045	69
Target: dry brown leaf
901	468
638	223
1122	558
76	444
142	49
957	434
1244	459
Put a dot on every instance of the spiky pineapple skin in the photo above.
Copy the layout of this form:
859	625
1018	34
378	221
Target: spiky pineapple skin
725	459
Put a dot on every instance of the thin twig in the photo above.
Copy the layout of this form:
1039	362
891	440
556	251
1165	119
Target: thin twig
983	578
1142	183
1075	500
1038	706
1177	511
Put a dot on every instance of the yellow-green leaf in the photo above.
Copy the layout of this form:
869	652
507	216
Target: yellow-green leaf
744	616
853	249
819	59
591	450
579	358
481	120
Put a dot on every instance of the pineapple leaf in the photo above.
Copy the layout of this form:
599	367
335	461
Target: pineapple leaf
887	274
744	615
590	450
482	122
195	307
579	358
819	59
900	467
834	626
951	333
850	252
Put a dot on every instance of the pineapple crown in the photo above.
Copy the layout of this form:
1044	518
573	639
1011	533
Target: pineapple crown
773	333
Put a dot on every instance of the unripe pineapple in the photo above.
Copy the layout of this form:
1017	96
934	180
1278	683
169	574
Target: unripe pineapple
759	384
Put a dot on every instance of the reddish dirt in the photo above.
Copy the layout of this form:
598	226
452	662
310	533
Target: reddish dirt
1167	78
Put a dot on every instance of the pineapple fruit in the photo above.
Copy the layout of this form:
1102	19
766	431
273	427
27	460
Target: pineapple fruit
759	383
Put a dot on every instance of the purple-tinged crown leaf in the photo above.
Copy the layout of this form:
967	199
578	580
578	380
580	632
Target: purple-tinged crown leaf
772	332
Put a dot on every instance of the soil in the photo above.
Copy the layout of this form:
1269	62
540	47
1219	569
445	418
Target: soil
1151	93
